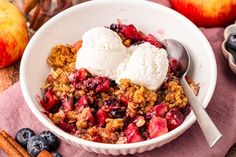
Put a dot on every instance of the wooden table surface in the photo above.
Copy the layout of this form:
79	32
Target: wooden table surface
9	76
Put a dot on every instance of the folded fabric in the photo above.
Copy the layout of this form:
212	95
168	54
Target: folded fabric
222	109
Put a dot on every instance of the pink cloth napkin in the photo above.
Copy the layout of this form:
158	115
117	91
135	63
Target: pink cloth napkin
15	115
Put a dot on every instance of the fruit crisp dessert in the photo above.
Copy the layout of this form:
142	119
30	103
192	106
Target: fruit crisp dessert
120	87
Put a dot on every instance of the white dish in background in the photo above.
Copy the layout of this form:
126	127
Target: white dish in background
229	30
68	27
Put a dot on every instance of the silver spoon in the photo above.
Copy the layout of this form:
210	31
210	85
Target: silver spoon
176	50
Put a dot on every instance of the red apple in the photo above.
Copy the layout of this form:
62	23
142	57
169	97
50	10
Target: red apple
13	33
207	13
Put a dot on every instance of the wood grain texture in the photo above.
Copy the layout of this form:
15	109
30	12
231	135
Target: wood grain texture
232	151
9	76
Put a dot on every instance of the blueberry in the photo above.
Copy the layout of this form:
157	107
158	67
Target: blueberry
112	83
91	83
117	113
23	135
36	144
114	27
51	139
56	154
230	44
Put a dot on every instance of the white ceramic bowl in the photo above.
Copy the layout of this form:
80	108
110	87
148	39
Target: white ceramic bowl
68	27
229	30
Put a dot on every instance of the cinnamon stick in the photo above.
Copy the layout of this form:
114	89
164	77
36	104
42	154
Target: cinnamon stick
62	5
17	146
44	8
44	153
29	5
34	17
8	148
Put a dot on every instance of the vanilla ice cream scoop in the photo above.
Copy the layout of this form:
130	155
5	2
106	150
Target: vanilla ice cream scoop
101	53
147	66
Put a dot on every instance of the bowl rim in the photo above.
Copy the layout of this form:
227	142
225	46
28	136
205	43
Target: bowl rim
74	139
228	56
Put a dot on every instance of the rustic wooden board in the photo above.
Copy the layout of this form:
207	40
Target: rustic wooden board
9	76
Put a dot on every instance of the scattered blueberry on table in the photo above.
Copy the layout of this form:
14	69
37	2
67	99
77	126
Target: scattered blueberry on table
36	144
23	135
230	44
51	139
56	154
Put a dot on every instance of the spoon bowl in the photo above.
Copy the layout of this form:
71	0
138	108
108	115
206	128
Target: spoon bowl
176	50
173	48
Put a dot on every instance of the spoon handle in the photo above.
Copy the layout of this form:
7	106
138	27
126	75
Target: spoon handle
209	129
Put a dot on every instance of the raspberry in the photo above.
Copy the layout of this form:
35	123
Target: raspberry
67	104
78	77
124	100
174	118
158	110
81	104
82	74
67	127
174	65
104	87
49	100
152	40
157	126
90	118
132	133
101	116
130	32
97	138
